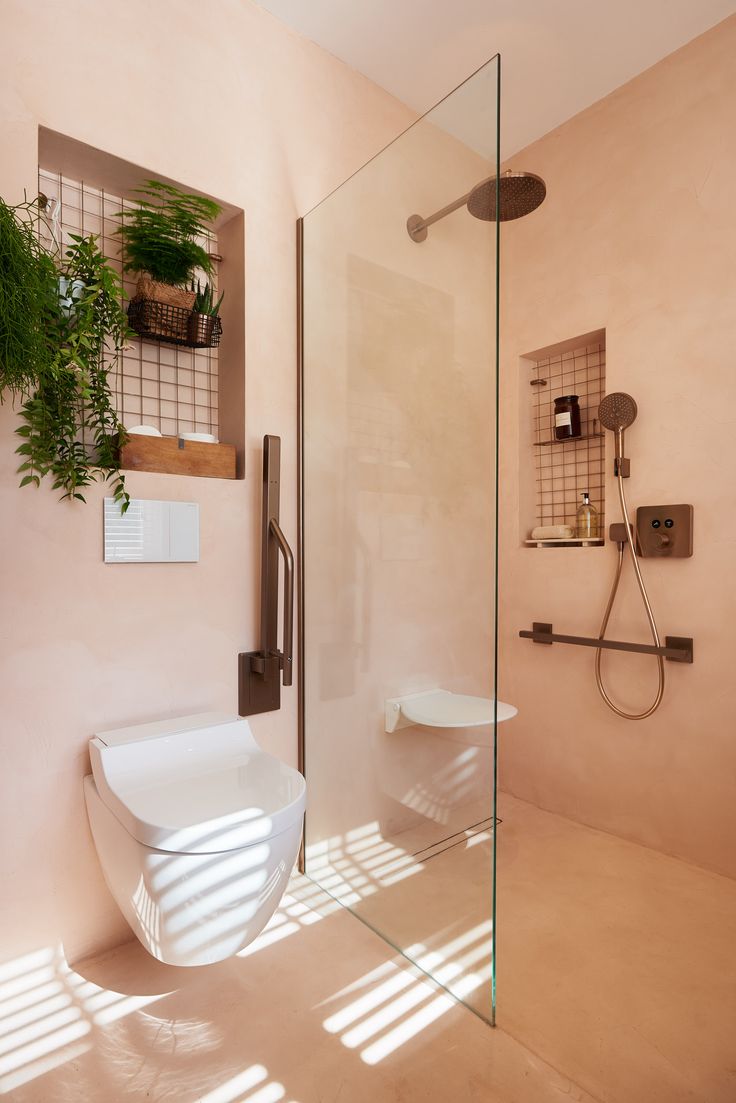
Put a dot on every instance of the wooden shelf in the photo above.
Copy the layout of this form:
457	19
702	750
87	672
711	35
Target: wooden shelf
173	456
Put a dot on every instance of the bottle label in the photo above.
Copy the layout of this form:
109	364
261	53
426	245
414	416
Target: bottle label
563	419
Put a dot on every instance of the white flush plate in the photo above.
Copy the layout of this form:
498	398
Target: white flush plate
151	532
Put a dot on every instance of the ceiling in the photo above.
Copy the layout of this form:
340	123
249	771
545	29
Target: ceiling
558	56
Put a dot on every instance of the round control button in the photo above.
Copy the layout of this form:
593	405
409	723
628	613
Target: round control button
669	523
656	523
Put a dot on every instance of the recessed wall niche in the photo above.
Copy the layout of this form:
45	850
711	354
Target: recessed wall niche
175	389
555	473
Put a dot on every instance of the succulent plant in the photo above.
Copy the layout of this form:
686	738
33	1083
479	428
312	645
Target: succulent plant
204	302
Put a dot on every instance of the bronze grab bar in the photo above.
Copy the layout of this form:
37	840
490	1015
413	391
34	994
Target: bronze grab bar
286	656
260	672
679	649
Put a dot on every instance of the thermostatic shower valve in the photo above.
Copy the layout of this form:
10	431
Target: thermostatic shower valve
664	532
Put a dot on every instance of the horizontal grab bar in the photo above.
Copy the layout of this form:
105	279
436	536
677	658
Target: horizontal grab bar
679	649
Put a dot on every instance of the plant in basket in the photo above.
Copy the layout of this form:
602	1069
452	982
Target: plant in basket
162	241
205	326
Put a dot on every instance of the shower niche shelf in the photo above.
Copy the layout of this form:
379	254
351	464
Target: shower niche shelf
569	440
438	708
555	473
563	542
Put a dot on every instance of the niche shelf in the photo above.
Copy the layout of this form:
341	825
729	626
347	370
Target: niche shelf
192	385
575	440
565	542
174	456
555	472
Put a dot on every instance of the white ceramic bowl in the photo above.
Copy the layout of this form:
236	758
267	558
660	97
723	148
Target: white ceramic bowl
203	438
144	431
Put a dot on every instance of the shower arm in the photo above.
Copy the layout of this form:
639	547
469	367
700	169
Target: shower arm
417	225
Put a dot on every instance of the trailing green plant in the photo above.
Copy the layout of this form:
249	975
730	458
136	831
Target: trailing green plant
204	302
160	235
27	299
70	429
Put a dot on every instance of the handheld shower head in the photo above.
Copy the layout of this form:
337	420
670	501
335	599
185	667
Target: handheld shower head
617	412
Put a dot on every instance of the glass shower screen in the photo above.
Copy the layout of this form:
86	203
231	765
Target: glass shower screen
399	363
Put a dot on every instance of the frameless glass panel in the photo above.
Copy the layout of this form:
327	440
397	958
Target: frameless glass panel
399	416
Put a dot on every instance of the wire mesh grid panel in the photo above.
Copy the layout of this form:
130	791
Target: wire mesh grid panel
173	389
564	469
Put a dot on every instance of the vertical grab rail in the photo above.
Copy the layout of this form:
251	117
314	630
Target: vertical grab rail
287	654
260	672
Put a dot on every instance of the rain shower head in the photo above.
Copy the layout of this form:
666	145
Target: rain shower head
519	193
617	411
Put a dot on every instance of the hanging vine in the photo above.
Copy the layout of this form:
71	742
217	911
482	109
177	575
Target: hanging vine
28	299
70	429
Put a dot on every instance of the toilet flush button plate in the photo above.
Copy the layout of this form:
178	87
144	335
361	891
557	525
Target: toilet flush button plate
665	532
151	532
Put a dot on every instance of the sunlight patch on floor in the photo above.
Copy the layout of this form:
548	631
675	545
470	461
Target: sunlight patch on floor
302	905
357	865
387	1007
250	1086
48	1011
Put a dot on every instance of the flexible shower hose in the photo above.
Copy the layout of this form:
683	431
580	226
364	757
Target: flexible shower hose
650	617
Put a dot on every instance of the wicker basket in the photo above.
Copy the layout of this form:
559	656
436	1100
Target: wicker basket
175	325
159	321
164	293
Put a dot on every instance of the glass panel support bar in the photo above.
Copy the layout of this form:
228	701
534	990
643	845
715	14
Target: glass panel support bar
678	649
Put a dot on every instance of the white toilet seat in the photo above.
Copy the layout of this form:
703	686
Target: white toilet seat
195	789
197	830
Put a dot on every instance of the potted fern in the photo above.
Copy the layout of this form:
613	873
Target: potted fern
204	326
162	241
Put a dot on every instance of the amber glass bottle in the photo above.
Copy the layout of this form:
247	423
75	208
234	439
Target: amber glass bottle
567	417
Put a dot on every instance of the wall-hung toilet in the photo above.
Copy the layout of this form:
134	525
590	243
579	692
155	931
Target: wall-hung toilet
197	830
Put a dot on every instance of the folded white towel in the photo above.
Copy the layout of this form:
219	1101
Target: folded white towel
552	532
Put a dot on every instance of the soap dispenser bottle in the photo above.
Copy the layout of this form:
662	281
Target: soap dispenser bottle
587	525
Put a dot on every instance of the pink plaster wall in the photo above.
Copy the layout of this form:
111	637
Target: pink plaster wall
637	235
84	646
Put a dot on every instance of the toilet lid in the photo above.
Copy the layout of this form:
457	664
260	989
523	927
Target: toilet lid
196	789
